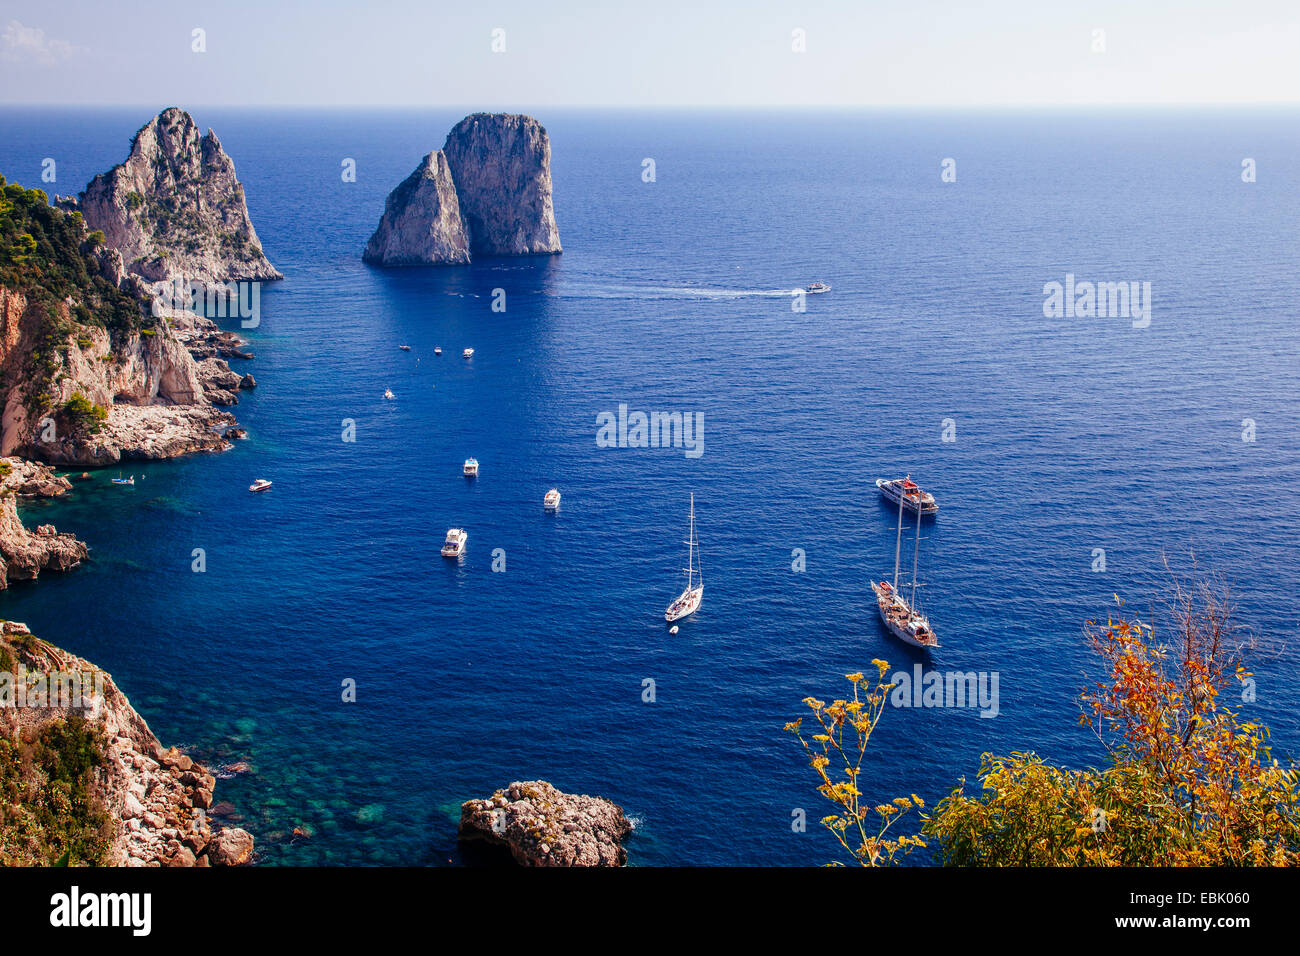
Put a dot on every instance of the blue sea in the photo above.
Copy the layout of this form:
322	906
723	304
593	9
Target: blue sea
1071	435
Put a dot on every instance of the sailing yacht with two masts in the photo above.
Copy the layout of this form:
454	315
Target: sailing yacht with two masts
900	615
688	602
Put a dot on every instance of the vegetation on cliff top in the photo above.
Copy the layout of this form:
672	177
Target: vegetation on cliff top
1188	781
45	253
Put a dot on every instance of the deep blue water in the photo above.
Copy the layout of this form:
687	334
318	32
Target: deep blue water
1072	434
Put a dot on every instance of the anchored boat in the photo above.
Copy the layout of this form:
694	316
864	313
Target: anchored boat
471	468
454	545
906	492
688	602
552	500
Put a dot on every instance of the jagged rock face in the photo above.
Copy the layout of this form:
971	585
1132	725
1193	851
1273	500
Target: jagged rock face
422	224
174	209
541	826
24	553
501	163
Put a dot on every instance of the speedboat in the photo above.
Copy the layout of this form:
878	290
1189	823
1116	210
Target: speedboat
906	492
468	353
815	287
388	394
552	500
405	348
454	546
119	480
437	350
261	484
688	602
471	468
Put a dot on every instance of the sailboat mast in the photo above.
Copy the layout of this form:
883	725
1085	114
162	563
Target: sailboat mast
916	556
690	551
898	545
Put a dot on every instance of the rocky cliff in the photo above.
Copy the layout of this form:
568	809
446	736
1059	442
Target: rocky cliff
24	553
422	224
542	826
501	163
486	192
156	798
174	208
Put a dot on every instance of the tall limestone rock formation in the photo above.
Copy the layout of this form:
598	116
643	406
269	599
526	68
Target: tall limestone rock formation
174	209
486	192
422	224
502	166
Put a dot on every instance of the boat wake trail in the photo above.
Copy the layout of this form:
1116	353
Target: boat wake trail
649	292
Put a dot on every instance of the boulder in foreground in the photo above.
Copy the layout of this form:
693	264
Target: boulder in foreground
541	826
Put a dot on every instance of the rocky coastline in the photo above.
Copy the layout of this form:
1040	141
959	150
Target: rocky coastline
157	798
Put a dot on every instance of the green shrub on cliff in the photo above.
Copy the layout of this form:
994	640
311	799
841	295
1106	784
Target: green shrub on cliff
82	415
49	809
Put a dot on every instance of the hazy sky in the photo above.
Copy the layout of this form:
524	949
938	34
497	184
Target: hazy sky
654	53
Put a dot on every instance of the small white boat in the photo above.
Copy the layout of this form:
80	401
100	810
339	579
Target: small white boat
119	480
405	348
468	353
471	468
437	350
388	394
454	546
552	500
906	492
260	485
816	287
688	602
674	629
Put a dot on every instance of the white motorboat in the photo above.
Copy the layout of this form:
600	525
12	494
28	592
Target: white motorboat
814	288
454	546
552	500
437	350
388	394
900	615
909	494
688	602
468	353
471	468
262	484
119	480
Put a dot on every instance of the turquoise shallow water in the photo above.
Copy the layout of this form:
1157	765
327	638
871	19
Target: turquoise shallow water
1071	435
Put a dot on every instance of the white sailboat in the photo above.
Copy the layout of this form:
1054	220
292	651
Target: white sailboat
900	615
688	602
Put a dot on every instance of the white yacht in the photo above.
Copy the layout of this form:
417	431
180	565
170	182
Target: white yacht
906	492
262	484
468	353
552	500
454	546
388	394
437	350
900	615
816	287
688	602
471	468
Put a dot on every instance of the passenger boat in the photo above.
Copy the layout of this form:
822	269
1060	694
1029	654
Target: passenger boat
471	468
909	494
900	615
454	546
261	484
468	353
552	500
688	602
816	287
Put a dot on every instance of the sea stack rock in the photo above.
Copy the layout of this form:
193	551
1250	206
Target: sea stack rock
422	223
502	166
486	192
174	209
542	826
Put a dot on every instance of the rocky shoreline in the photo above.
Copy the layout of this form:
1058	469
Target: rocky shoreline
158	798
543	826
